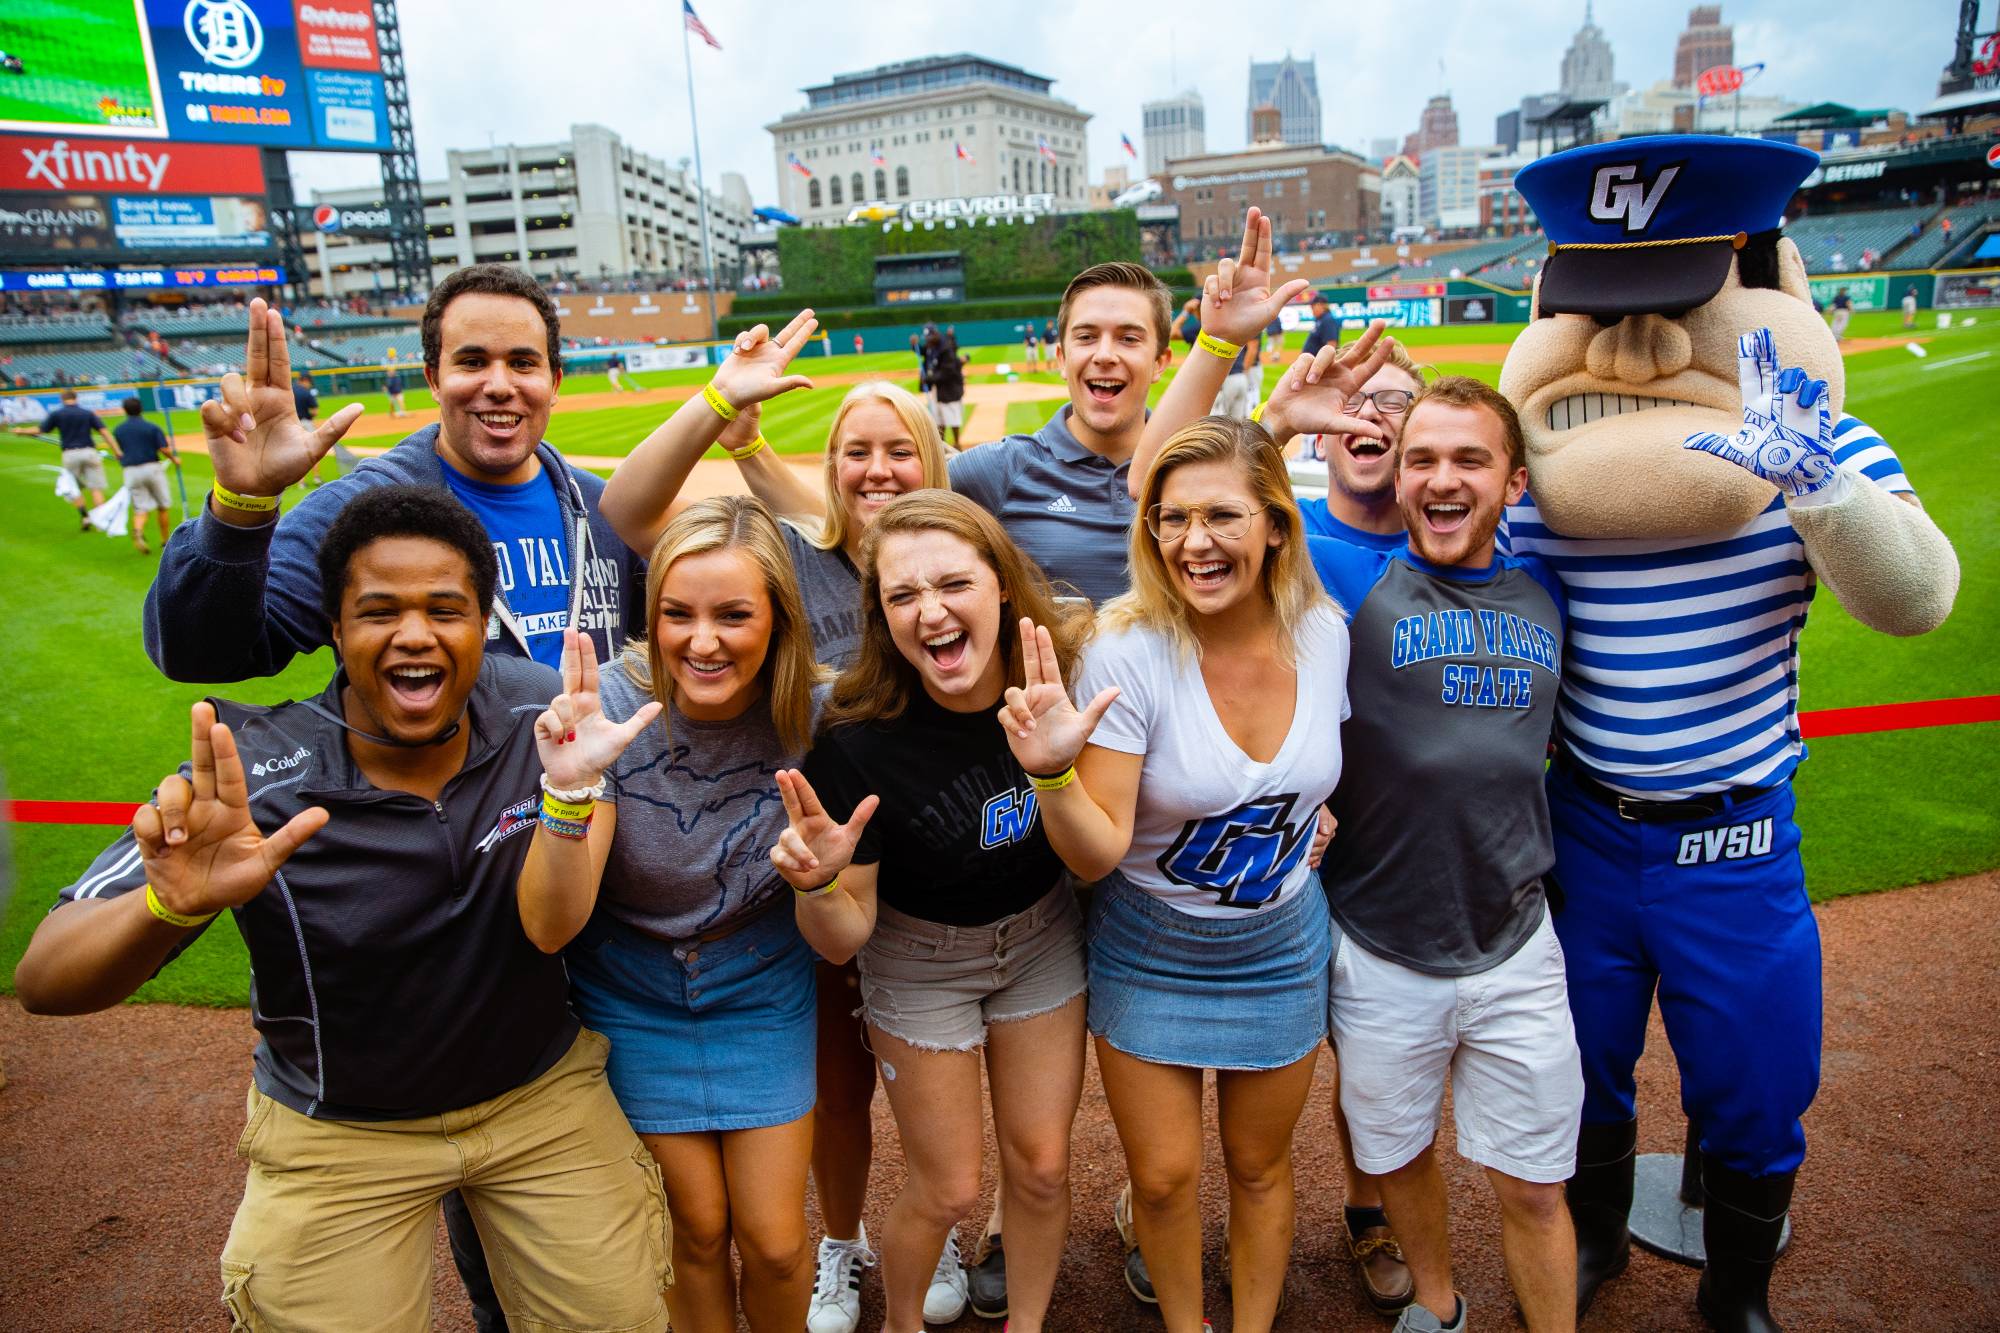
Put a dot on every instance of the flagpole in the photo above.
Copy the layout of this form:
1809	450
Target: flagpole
700	187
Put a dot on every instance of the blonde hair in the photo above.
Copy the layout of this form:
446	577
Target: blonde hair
916	420
881	681
1291	585
737	523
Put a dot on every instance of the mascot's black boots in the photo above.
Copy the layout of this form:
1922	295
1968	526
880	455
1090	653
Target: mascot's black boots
1743	1218
1600	1199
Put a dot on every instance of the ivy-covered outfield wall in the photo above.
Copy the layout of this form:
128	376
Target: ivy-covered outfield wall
1009	258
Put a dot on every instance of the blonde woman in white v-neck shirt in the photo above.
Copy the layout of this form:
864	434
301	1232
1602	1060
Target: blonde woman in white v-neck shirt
1194	795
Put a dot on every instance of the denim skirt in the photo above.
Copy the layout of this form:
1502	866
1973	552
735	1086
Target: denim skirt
1243	992
708	1035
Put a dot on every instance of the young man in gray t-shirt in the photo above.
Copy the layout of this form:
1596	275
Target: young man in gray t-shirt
1447	967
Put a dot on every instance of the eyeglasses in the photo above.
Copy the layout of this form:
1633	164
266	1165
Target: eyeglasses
1226	519
1389	402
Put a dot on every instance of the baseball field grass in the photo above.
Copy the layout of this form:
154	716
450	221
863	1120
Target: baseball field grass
86	717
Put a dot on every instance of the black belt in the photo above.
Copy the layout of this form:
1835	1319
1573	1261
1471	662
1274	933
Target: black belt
1685	809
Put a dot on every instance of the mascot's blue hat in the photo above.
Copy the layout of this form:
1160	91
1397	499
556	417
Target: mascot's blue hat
1649	225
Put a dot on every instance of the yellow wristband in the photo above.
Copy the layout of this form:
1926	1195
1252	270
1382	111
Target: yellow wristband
749	450
819	892
719	403
170	916
570	810
1055	782
244	504
1215	346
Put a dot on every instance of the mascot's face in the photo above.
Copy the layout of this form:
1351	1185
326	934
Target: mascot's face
1605	410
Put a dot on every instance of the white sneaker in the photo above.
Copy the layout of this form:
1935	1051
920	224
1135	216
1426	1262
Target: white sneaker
836	1298
946	1299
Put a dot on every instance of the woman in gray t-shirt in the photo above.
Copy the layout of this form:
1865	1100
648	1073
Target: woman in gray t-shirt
693	964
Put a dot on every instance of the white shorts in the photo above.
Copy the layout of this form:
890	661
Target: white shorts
1503	1037
147	484
1238	397
951	415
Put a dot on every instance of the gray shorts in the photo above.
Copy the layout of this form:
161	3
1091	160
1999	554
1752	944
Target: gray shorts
85	467
938	987
147	484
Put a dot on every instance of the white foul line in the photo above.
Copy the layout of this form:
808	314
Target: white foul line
1958	360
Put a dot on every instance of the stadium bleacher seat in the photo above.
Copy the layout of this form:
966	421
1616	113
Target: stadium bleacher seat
1470	260
1823	237
76	327
1928	250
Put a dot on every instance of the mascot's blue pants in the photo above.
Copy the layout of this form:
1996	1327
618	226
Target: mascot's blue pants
1713	912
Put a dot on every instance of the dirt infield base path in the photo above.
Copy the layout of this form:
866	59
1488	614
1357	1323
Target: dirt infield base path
118	1175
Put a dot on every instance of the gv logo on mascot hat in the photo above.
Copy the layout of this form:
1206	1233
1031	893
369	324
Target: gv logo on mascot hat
1649	225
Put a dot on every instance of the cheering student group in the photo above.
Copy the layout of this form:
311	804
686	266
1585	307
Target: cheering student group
636	840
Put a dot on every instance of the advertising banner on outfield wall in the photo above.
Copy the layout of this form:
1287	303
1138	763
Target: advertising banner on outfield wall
45	226
1469	309
664	358
1967	291
228	222
1870	293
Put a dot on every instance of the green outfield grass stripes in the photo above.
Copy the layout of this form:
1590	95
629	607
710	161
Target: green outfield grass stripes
86	716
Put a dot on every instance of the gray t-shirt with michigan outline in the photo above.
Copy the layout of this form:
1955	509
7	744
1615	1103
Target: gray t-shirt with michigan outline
698	814
831	590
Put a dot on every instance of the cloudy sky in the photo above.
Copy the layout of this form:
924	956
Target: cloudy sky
507	71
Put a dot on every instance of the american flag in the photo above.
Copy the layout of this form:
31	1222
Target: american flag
1042	147
698	28
1126	140
875	157
959	148
792	161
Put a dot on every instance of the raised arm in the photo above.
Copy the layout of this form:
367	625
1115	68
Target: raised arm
641	495
1237	303
1311	397
199	854
1087	795
558	885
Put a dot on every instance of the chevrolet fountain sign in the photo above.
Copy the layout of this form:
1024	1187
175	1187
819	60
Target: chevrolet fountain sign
981	206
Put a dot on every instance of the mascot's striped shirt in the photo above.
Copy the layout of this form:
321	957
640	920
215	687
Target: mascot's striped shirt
1681	674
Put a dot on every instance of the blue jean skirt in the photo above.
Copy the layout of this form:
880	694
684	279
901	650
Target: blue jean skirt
706	1036
1243	992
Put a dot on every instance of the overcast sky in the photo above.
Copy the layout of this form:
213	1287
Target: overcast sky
510	71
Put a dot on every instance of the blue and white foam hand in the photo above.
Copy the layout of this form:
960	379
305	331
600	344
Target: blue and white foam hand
1787	435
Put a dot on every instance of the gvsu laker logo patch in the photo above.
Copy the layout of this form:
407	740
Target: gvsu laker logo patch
1008	817
1243	857
520	815
1736	842
1619	194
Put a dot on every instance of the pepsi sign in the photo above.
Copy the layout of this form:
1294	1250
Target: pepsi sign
331	221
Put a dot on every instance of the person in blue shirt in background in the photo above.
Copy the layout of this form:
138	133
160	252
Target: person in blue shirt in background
1326	325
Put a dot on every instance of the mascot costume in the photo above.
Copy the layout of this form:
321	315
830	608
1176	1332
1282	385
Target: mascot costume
1692	478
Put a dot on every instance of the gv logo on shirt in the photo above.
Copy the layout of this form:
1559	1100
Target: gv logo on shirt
1006	818
1242	857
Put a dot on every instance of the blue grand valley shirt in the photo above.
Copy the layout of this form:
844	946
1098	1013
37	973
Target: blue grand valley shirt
525	523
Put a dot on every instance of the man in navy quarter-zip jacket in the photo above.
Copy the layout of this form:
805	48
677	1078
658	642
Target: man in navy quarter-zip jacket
237	593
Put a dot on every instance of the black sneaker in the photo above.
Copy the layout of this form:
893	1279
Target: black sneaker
988	1281
1137	1280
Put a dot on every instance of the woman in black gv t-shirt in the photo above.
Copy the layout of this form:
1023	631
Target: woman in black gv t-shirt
968	935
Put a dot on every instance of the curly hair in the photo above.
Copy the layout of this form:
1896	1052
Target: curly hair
383	512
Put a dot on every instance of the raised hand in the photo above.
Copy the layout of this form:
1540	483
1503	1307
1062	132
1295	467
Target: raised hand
202	851
1311	397
1787	435
1323	831
255	438
755	369
574	738
1044	729
815	846
1237	303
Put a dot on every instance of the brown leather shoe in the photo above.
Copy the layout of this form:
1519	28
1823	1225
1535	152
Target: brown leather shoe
1378	1262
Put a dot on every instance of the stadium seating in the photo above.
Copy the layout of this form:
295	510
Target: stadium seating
373	349
1822	236
1470	260
1517	274
87	365
78	327
204	321
1928	250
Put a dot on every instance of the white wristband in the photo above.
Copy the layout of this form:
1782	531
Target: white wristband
575	795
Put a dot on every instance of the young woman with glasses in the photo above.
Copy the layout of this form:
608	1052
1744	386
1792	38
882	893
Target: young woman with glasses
1195	800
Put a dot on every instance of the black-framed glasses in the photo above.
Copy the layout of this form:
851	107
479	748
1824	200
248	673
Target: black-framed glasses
1227	519
1389	402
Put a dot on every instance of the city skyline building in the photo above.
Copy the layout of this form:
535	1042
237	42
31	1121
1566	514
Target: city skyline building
1172	127
1706	42
1292	86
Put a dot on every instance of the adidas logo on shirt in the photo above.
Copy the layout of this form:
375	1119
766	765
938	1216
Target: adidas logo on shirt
1062	504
